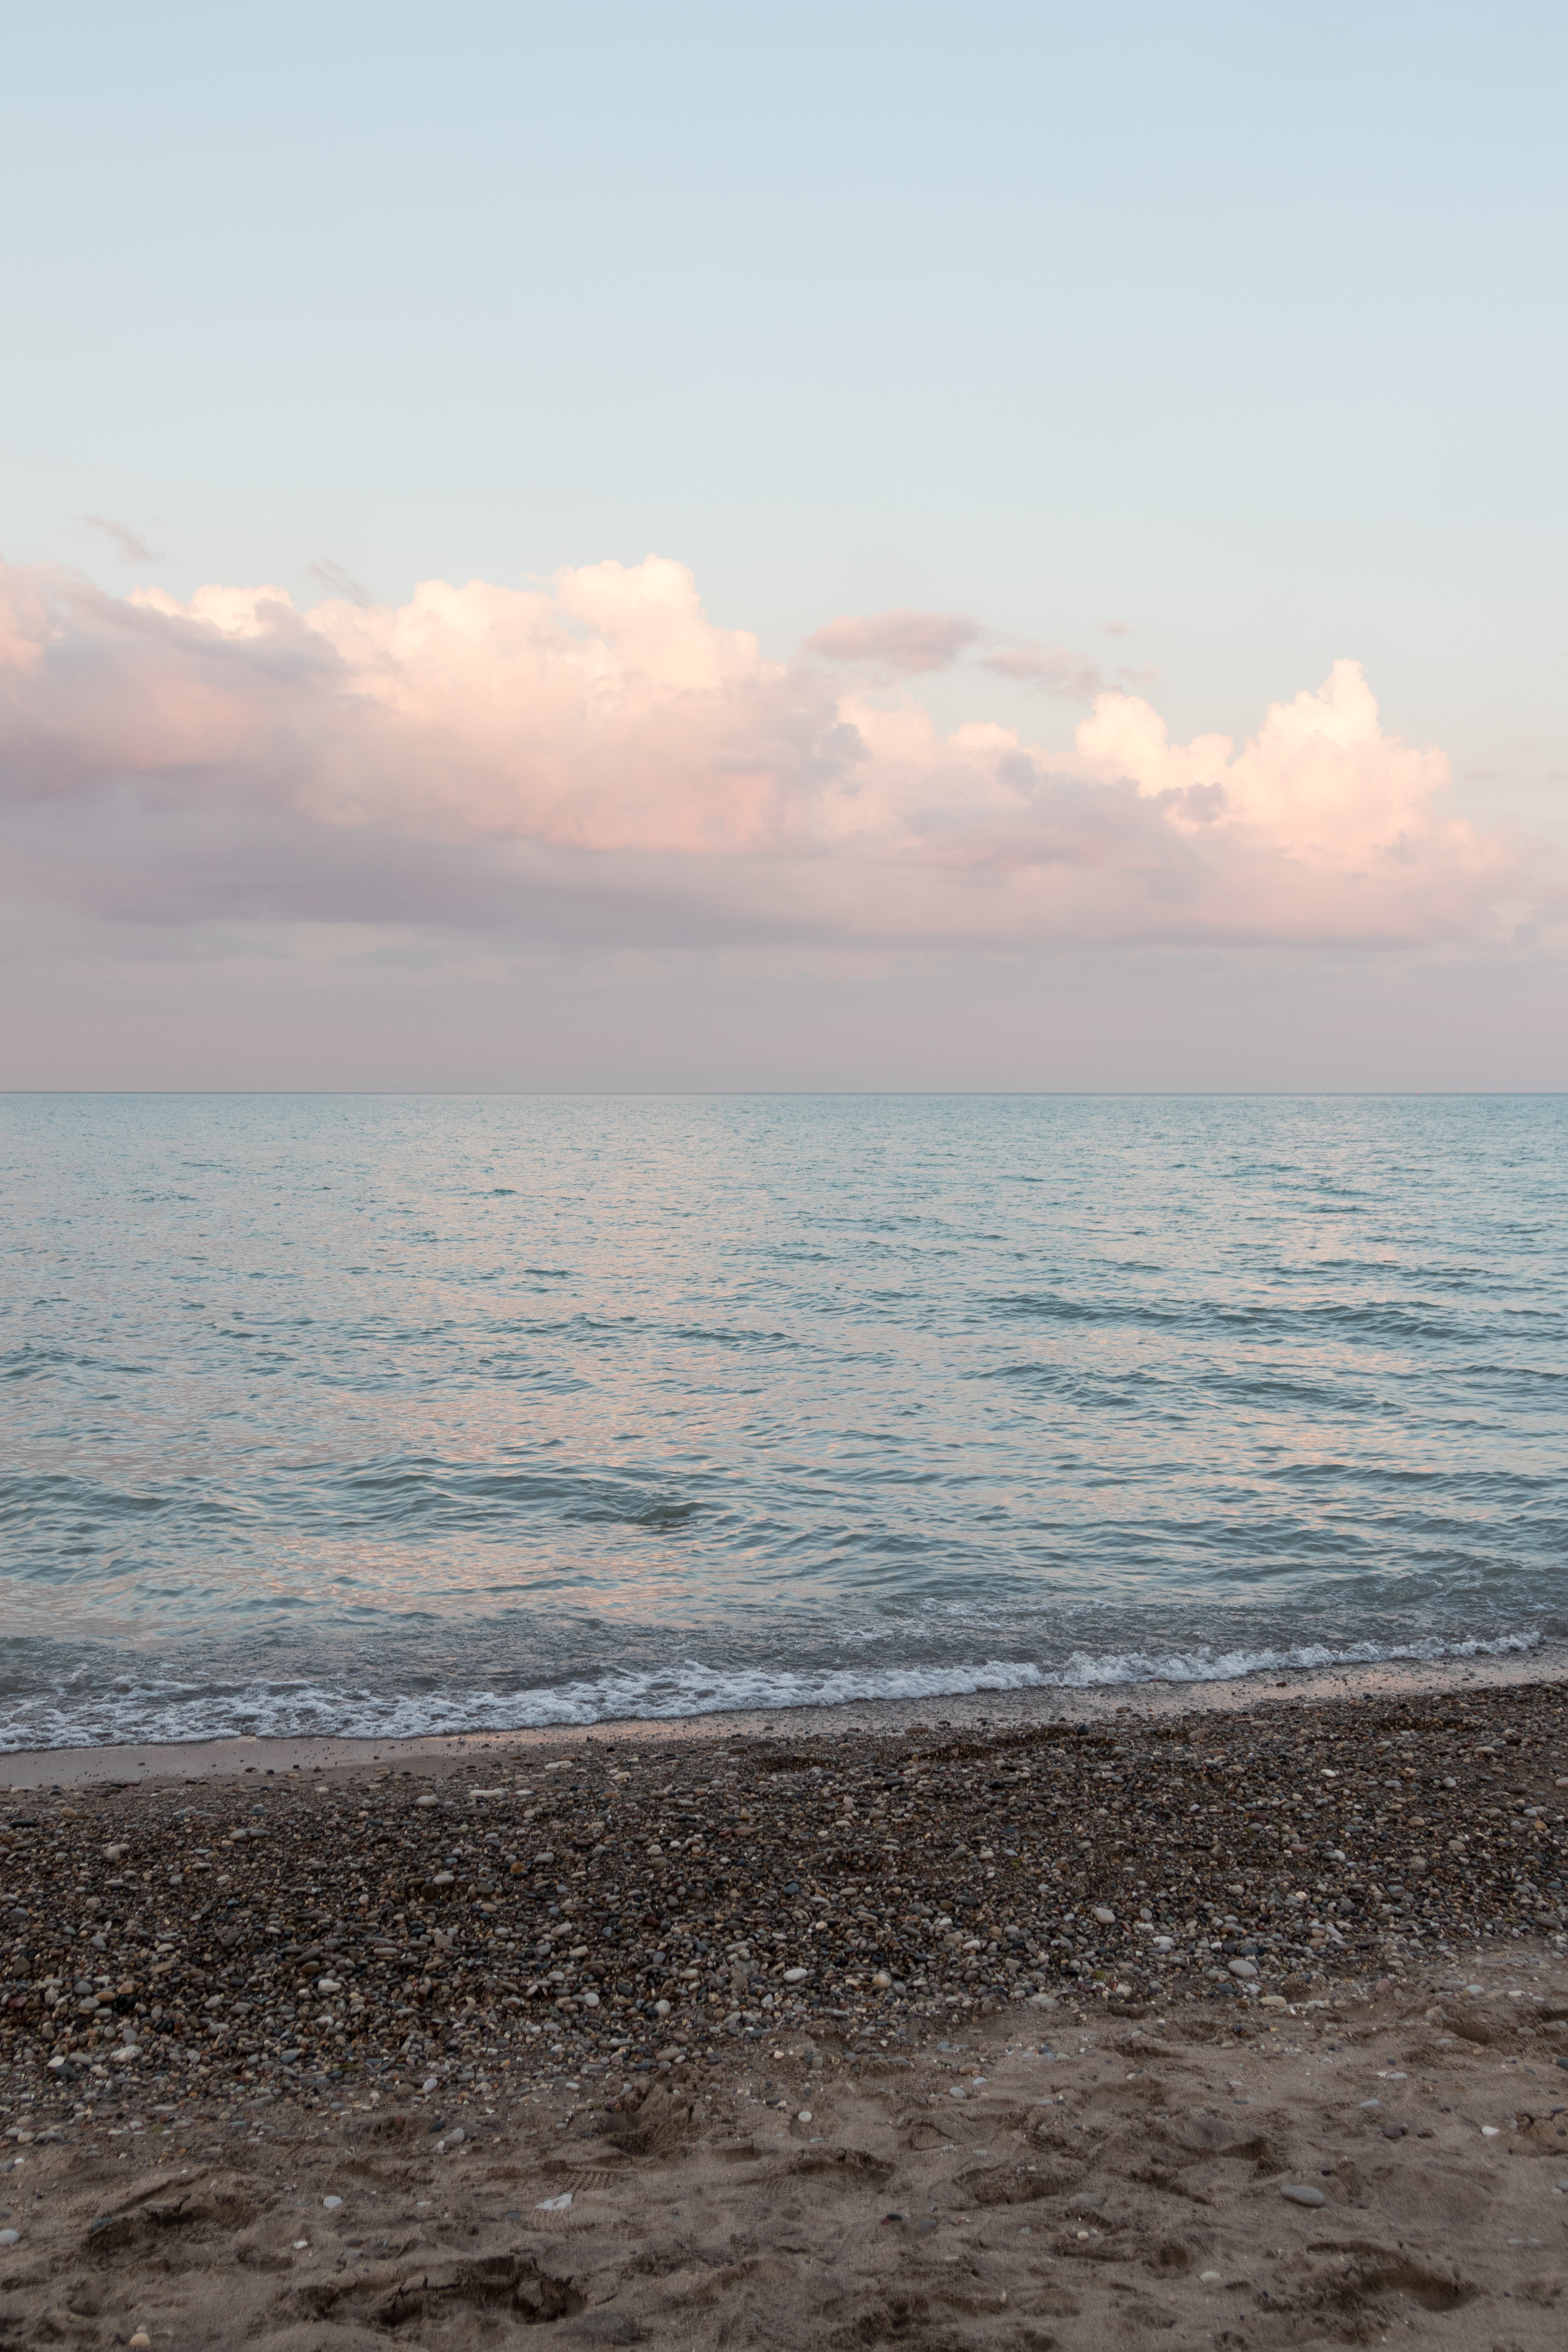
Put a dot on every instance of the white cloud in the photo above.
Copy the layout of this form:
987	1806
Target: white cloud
597	756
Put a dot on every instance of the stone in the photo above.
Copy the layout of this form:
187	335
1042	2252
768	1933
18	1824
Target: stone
1245	1969
1297	2192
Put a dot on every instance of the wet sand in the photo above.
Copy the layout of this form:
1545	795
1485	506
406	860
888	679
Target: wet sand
1243	2024
984	1710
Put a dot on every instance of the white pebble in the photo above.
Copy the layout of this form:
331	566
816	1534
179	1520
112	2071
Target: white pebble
1298	2194
331	2203
1105	1914
10	2237
795	1976
554	2204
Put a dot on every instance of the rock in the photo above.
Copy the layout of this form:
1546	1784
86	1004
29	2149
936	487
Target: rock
804	2115
10	2237
1296	2192
764	1870
554	2204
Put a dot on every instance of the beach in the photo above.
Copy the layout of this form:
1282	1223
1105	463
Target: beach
942	2033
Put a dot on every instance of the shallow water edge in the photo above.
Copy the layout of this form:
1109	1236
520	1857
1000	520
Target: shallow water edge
993	1711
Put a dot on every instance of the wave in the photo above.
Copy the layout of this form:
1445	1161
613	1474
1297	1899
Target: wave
166	1712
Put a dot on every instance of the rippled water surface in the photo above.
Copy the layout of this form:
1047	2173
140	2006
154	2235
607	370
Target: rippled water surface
401	1414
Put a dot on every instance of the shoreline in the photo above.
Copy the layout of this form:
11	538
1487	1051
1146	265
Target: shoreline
990	1711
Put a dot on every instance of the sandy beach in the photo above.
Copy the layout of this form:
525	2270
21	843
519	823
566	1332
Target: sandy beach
1243	2024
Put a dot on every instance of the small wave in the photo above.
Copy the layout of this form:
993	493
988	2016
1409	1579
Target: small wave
170	1713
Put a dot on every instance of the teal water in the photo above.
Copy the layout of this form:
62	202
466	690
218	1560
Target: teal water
392	1414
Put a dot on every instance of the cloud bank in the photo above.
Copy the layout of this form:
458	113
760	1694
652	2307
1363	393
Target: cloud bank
595	759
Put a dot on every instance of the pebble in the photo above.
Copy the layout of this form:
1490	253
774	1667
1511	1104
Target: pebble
652	1897
1296	2192
331	2203
554	2204
10	2237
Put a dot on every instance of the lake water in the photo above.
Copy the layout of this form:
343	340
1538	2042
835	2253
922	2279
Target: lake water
395	1414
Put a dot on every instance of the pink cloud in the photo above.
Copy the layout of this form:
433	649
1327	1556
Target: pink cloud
900	644
595	759
1072	676
133	547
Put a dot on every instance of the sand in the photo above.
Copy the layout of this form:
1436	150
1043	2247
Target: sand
829	2040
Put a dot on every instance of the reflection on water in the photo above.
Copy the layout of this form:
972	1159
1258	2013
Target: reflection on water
405	1411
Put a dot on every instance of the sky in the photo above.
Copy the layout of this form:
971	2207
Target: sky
855	546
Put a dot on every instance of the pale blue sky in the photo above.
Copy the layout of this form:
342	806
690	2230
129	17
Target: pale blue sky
1214	343
1243	326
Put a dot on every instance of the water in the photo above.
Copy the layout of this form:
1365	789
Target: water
399	1414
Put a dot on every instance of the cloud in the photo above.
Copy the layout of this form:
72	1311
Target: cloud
901	643
133	547
890	646
1072	676
336	580
595	760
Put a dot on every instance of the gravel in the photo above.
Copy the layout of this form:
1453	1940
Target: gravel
454	1930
